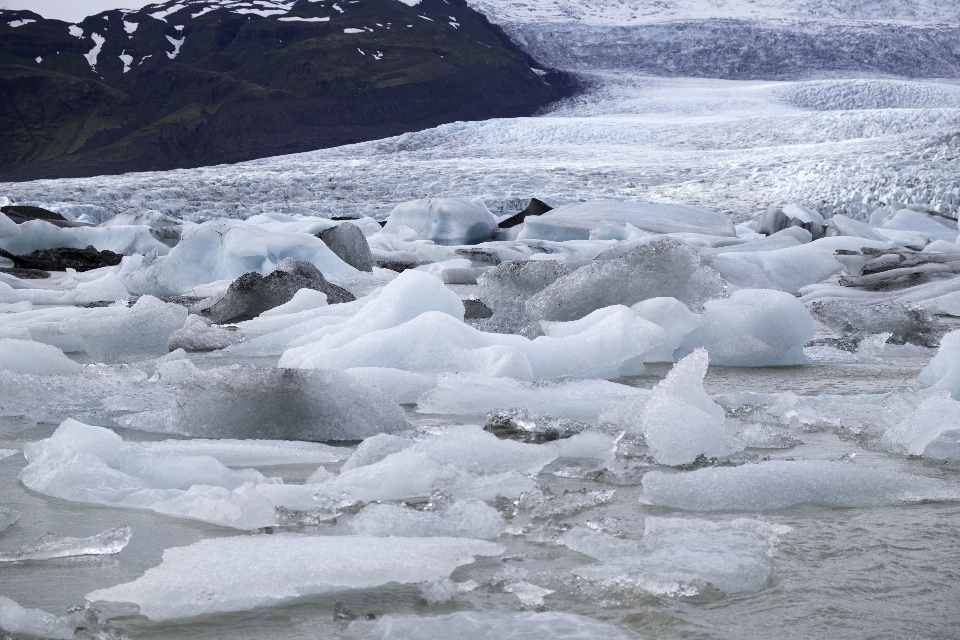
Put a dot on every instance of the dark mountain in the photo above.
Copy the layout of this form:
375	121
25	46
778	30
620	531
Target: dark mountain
192	83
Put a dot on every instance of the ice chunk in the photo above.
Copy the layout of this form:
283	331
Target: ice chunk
662	268
50	546
506	288
937	414
7	516
945	446
679	420
443	220
27	356
403	387
680	556
487	625
348	242
462	394
530	595
197	335
106	288
907	220
676	319
943	372
252	571
779	484
249	453
462	519
8	228
759	436
33	623
791	215
227	249
374	449
856	320
577	221
289	404
302	300
753	328
92	465
137	333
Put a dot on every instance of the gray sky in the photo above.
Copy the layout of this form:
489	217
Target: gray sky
72	10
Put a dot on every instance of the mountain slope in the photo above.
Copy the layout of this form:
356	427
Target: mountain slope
192	83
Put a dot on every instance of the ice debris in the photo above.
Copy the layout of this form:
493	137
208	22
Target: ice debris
7	517
462	519
49	546
519	423
197	335
855	321
264	570
27	356
33	623
936	414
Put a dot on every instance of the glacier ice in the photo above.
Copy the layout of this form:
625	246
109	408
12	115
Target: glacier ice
197	334
443	220
403	387
854	321
506	288
487	625
943	372
461	519
660	269
50	546
8	228
264	570
753	328
347	241
778	484
936	414
676	319
27	356
277	403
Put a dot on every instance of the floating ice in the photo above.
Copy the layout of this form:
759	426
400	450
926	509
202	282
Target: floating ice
50	546
679	420
760	436
254	571
290	404
462	519
577	221
7	516
36	235
302	300
197	335
403	387
779	484
676	319
248	453
81	463
937	414
662	268
26	356
33	623
137	333
506	289
443	220
487	625
8	228
462	394
943	372
753	328
854	321
519	423
680	556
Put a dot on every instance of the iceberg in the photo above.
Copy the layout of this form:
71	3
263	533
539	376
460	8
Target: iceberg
266	570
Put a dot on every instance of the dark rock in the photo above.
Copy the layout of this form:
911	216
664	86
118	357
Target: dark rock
475	310
855	321
522	424
349	244
251	294
25	274
535	208
24	213
399	265
62	259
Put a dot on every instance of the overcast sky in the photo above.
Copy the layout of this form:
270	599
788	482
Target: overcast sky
72	10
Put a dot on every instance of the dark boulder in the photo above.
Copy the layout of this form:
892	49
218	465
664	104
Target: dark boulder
251	294
64	258
476	310
399	265
535	208
349	244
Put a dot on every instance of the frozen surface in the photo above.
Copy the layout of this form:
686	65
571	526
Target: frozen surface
256	571
778	484
50	546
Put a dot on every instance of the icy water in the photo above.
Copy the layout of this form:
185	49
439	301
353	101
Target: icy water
891	571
